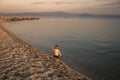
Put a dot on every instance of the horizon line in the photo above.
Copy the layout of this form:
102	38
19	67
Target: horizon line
58	12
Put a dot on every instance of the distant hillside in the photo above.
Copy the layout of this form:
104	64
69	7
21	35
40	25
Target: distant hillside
59	14
37	14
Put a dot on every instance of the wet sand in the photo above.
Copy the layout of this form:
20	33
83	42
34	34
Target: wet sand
20	61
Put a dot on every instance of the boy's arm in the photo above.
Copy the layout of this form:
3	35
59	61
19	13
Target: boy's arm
52	48
60	53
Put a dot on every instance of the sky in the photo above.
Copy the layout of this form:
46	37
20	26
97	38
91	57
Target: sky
72	6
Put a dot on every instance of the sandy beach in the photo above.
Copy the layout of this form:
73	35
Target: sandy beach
20	61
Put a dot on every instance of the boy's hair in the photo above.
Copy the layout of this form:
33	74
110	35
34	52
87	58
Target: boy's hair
56	46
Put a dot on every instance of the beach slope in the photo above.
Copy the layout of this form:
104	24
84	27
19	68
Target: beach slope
20	61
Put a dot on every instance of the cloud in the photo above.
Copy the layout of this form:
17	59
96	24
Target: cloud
66	2
38	3
57	2
112	4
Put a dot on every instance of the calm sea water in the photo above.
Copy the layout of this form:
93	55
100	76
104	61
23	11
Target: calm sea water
89	45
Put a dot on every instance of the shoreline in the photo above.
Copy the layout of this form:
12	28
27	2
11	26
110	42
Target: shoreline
20	60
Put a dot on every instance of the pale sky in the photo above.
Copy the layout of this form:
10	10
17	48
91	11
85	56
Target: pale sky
73	6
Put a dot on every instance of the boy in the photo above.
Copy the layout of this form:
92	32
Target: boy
56	51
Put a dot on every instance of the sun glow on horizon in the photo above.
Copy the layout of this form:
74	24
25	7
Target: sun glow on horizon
76	6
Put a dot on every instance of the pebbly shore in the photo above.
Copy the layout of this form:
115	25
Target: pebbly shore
20	61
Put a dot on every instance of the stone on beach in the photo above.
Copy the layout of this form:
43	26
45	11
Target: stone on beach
9	19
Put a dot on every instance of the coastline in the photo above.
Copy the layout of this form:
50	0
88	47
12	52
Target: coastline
19	60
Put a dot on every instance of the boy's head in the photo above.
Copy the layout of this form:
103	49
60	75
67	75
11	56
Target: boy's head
57	46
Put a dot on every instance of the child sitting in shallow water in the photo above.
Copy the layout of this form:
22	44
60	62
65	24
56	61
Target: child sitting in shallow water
56	51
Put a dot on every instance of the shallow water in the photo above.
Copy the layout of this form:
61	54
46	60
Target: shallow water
89	45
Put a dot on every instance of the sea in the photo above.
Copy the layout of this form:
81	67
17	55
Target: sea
89	45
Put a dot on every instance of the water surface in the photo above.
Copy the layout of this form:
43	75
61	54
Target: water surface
89	45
